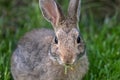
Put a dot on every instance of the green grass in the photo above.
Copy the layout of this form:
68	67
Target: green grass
103	42
104	52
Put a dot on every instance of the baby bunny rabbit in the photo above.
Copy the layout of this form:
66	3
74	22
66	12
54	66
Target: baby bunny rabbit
45	54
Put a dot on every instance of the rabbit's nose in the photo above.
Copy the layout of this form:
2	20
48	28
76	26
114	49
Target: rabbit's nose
67	60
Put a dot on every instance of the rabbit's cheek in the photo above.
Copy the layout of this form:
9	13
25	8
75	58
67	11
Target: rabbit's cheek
54	51
53	56
81	51
81	48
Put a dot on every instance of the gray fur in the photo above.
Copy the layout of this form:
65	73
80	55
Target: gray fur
39	57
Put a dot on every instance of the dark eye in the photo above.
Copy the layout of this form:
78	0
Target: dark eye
56	40
78	39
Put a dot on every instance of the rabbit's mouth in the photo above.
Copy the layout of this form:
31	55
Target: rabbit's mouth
66	67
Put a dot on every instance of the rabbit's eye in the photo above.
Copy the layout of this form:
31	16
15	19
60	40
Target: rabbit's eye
56	40
78	39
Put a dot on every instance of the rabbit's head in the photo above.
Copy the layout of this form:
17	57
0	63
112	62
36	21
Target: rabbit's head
67	46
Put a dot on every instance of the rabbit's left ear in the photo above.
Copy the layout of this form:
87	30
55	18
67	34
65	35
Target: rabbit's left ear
74	9
51	11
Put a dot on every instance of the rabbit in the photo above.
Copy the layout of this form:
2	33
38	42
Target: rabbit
58	54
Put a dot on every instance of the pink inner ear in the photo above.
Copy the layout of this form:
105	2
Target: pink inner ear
52	12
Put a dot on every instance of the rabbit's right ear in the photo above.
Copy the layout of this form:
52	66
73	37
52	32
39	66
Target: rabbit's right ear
51	11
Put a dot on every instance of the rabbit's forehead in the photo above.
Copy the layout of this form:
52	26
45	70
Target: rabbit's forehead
67	32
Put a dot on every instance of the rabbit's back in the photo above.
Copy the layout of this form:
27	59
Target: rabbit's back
30	54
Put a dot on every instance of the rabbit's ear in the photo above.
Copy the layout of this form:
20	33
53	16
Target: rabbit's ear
74	9
51	11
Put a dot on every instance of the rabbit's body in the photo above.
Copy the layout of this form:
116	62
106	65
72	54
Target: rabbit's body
32	62
52	55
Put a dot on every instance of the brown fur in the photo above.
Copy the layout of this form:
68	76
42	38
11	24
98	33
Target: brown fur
42	54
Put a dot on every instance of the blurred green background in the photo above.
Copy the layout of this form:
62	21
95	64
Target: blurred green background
99	25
